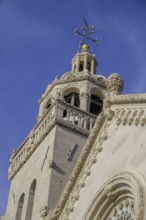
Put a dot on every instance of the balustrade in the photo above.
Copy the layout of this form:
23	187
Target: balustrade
78	117
65	112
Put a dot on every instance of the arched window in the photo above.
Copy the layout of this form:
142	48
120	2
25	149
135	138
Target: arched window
30	201
122	197
89	66
20	207
48	105
73	99
81	66
96	105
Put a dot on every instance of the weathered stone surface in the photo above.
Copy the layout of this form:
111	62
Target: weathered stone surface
107	153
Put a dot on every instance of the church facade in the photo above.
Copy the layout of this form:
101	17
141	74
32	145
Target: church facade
86	157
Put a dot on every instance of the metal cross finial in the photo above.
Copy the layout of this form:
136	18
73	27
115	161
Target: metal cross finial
87	31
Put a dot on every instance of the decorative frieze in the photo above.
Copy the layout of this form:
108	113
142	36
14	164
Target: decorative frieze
129	116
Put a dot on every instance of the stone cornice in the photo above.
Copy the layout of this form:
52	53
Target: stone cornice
84	54
72	127
128	99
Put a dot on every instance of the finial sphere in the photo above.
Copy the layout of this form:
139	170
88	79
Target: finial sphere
85	48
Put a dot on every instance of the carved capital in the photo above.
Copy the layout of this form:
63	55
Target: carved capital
109	193
51	163
84	95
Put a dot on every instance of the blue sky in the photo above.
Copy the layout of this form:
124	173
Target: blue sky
37	43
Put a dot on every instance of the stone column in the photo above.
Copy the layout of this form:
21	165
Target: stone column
85	63
92	67
59	111
84	101
77	64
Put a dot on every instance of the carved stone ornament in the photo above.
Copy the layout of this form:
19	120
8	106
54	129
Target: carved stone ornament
109	113
56	94
84	95
51	214
115	84
121	198
44	210
124	210
51	163
13	155
129	116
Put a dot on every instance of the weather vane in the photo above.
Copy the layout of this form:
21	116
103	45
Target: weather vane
88	30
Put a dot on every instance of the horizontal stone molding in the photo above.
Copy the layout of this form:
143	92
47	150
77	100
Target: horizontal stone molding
128	99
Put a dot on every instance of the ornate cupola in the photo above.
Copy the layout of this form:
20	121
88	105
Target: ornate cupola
84	61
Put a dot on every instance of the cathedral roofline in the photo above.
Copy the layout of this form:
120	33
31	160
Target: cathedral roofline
125	114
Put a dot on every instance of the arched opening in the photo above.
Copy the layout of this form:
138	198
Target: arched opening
48	105
81	66
20	207
30	201
96	105
120	198
64	113
89	66
73	99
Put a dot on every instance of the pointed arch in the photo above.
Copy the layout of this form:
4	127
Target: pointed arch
122	196
20	207
30	203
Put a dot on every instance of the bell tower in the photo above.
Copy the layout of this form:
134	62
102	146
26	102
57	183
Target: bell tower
42	164
85	61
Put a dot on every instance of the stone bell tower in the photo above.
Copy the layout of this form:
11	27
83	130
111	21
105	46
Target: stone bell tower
41	166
